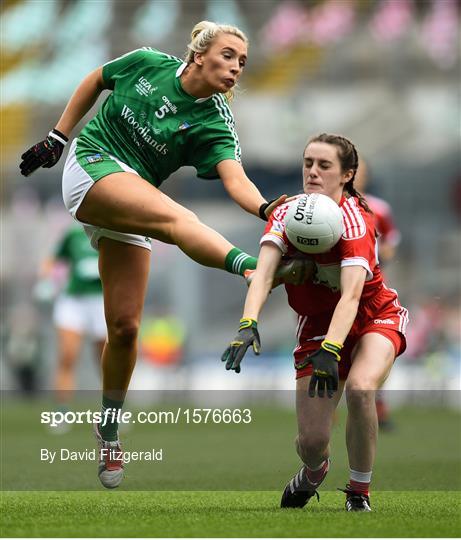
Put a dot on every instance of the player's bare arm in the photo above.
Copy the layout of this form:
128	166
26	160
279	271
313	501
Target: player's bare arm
352	282
325	360
248	335
242	190
82	100
262	283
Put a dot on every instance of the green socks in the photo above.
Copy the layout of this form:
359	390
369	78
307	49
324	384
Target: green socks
108	428
237	261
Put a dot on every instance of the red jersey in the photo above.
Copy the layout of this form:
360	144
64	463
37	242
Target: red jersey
384	221
356	247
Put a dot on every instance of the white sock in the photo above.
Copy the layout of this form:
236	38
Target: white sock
358	476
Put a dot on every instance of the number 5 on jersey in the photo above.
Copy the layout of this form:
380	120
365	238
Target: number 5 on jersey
160	113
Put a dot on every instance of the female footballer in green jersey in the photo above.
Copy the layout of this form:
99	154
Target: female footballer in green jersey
162	113
78	310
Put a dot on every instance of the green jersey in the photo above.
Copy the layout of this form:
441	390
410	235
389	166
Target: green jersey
75	250
152	125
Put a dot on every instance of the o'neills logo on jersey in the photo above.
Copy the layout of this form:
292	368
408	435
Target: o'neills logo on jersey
144	131
383	321
170	105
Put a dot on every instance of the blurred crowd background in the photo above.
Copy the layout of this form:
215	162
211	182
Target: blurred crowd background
384	73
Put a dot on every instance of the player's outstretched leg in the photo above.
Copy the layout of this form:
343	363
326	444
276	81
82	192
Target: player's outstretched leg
110	463
356	501
303	486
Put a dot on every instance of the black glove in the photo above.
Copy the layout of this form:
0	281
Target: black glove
247	335
325	364
46	153
263	208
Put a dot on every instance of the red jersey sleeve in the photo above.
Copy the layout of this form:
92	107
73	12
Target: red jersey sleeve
275	229
358	243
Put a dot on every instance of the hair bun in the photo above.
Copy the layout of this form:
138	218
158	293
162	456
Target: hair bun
199	27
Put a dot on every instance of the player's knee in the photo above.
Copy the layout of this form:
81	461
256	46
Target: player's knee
361	383
311	444
359	394
188	215
184	220
123	331
176	225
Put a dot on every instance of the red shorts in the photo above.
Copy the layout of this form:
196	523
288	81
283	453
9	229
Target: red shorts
381	314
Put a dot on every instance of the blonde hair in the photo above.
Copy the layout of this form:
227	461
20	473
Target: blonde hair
202	36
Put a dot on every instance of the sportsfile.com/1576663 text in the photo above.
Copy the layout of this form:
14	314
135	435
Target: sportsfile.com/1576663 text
175	416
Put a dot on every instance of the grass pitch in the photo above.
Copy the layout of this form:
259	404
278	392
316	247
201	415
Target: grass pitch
225	514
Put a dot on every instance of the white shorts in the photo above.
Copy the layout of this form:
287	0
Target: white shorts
83	314
76	183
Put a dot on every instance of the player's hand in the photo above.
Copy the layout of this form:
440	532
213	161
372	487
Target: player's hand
291	198
325	364
295	271
247	336
266	209
45	153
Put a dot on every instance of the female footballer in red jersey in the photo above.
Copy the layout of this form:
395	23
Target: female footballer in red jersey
350	327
